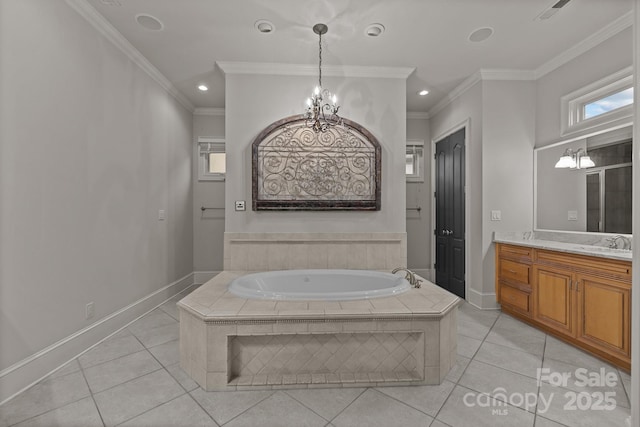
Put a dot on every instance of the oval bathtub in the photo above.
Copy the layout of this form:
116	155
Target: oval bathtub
329	285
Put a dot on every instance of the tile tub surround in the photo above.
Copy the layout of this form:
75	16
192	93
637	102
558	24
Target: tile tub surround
577	243
232	343
289	251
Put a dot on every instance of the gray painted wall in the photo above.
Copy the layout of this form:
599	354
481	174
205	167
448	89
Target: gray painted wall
610	56
92	148
208	226
419	194
383	114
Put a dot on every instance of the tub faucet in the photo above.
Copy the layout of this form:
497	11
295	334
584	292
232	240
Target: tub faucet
613	242
410	277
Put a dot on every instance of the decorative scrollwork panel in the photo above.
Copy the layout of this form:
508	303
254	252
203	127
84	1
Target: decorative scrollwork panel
295	168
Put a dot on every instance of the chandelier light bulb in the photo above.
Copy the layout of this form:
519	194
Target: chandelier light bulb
334	99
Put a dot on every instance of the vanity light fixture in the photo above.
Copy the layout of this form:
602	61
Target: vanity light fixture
322	106
575	159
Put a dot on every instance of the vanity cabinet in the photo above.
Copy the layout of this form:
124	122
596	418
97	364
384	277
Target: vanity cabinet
581	299
513	287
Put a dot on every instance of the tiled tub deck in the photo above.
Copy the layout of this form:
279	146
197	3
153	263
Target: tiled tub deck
232	343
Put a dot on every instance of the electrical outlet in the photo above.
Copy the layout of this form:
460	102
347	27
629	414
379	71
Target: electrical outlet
90	311
572	215
496	215
240	205
161	215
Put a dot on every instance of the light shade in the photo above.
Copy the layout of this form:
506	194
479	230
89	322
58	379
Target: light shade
566	161
586	162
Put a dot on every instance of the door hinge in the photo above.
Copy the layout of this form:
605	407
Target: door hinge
435	232
434	194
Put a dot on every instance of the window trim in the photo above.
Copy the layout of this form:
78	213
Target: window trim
203	175
416	147
573	104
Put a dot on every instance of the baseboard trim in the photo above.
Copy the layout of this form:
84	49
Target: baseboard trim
200	277
483	301
27	372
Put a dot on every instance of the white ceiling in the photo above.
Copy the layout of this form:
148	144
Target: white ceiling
430	35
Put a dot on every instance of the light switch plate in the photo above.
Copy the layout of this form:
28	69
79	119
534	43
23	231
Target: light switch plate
240	206
161	215
496	215
572	215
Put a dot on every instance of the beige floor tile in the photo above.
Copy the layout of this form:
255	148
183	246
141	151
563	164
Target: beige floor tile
128	400
180	412
224	406
109	350
517	340
182	377
457	369
120	370
375	409
160	335
507	358
43	397
82	413
326	402
498	382
167	353
153	320
428	399
468	347
457	413
278	410
562	410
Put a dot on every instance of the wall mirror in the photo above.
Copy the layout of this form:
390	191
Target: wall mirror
590	189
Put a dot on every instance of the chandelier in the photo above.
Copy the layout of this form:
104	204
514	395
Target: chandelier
322	107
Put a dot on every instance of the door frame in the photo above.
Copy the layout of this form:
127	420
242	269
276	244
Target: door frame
466	125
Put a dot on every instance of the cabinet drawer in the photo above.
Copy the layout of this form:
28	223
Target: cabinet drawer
515	252
514	297
514	271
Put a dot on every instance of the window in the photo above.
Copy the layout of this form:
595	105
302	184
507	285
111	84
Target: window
601	103
608	103
414	167
211	159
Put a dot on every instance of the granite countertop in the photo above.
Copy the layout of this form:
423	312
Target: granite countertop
582	244
213	301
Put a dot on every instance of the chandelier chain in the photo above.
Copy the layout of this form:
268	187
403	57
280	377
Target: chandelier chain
320	60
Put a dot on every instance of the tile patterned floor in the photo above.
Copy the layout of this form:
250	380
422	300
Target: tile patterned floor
134	379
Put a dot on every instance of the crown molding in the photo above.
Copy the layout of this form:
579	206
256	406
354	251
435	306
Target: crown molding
466	84
507	74
103	26
615	27
418	115
312	70
205	111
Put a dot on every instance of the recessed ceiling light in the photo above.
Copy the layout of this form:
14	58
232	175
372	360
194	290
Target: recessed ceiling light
264	26
374	30
480	35
423	92
149	22
203	88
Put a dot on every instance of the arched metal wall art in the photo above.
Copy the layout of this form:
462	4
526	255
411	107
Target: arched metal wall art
295	168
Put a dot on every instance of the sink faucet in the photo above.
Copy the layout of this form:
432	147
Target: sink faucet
410	277
613	242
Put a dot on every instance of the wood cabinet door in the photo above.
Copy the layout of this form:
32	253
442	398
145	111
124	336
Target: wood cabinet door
603	314
553	298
